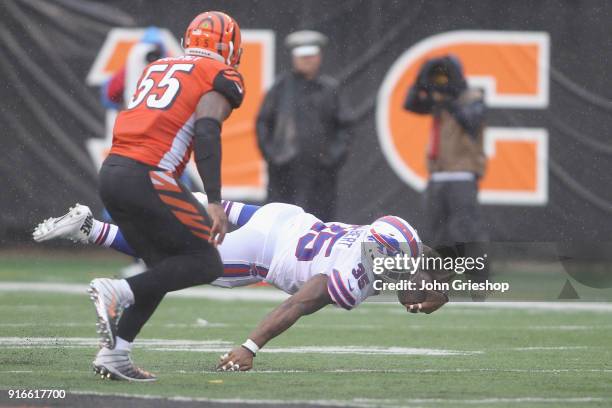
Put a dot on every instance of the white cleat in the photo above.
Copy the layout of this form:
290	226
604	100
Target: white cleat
109	303
75	225
118	365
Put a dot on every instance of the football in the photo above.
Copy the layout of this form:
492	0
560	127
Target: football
408	297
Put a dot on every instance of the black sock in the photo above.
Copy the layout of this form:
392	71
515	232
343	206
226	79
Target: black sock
176	273
135	316
173	273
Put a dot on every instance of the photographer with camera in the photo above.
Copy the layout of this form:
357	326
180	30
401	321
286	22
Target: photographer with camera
455	156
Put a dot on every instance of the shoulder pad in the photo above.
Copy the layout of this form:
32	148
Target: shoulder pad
228	82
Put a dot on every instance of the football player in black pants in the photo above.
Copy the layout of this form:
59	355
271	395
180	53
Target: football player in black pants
178	106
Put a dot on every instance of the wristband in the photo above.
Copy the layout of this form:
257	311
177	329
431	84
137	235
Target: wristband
251	346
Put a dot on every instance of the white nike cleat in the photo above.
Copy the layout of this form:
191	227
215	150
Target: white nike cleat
109	301
75	225
118	365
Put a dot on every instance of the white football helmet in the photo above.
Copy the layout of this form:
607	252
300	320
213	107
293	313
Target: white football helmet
390	236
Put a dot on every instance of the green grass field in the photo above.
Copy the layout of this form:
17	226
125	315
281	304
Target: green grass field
376	355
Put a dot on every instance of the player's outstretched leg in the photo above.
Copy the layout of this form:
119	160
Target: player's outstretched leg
78	225
110	298
237	213
117	364
75	225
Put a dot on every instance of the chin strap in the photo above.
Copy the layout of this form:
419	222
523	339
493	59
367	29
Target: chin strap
231	53
203	52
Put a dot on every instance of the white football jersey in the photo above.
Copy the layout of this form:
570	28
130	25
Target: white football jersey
306	247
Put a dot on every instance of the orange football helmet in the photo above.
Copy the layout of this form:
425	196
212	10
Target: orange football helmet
214	34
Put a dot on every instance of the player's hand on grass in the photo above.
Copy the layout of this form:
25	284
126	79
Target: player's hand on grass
219	223
239	359
433	301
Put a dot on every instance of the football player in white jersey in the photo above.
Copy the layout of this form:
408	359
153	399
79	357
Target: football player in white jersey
317	263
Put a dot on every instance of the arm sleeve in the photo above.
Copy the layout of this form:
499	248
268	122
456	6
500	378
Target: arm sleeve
207	152
228	82
470	116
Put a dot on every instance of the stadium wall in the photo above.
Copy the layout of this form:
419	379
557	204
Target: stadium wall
544	66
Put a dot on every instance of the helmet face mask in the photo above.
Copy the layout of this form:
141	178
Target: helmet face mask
238	57
390	237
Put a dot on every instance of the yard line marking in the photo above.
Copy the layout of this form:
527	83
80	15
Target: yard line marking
541	306
65	324
221	346
406	351
570	327
197	324
488	401
533	307
89	341
211	293
367	371
360	350
201	323
544	348
269	295
338	326
420	371
64	288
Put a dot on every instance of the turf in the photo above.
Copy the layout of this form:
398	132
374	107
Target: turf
513	357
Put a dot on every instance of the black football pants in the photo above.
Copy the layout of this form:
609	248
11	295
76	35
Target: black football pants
454	222
166	226
306	184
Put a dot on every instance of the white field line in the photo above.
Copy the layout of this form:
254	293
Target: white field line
479	401
209	292
269	295
220	346
367	371
570	327
201	323
545	348
604	307
360	350
438	371
88	341
367	402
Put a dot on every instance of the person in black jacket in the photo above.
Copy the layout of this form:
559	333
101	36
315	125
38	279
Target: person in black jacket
301	130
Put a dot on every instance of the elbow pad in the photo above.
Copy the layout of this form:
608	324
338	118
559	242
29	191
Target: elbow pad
207	153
